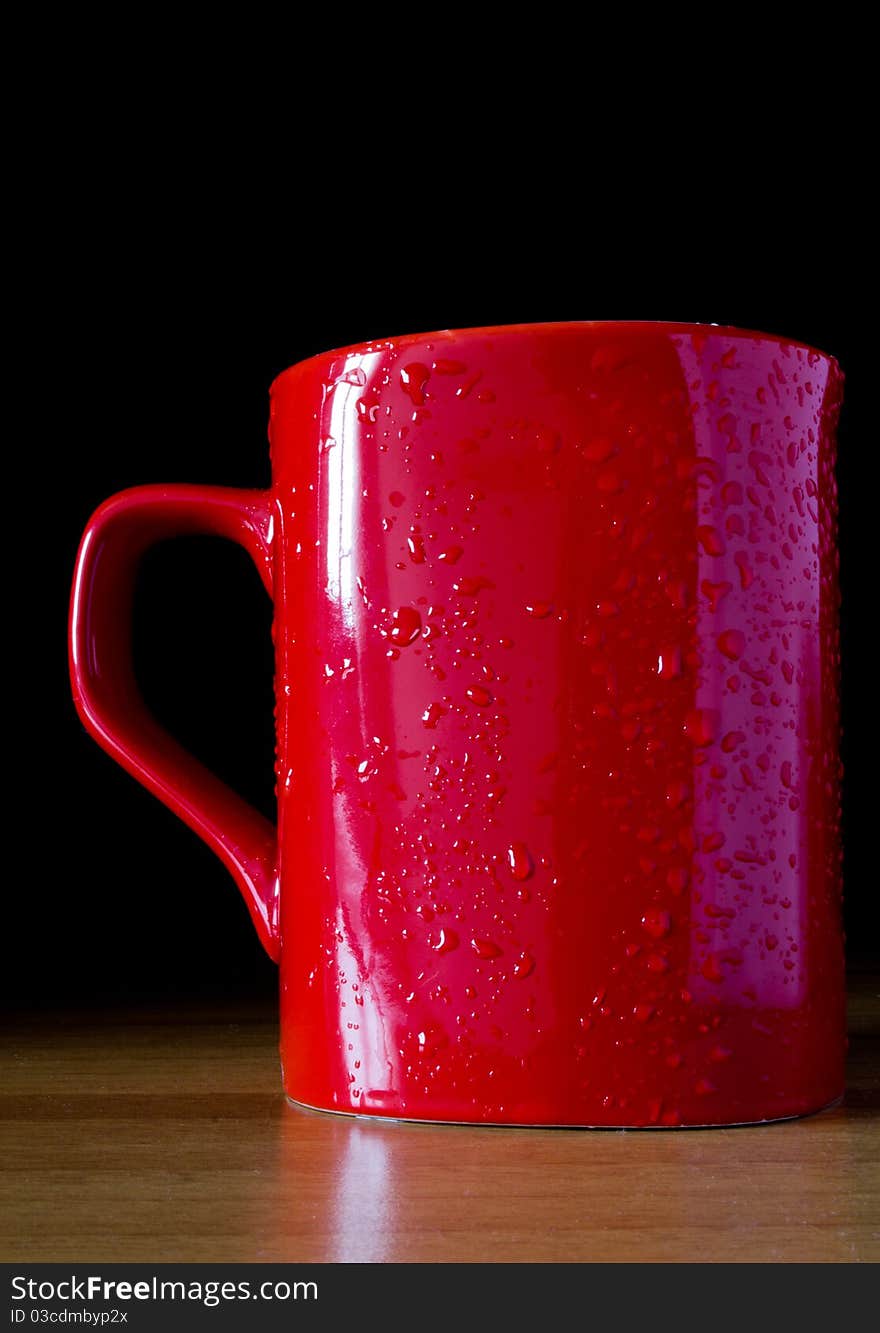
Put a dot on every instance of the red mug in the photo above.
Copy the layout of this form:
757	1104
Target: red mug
556	628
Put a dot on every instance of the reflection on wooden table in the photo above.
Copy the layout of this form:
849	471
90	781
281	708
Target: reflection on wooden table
163	1135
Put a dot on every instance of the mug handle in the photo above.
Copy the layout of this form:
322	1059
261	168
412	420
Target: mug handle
106	695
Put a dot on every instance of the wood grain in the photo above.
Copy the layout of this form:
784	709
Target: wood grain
163	1136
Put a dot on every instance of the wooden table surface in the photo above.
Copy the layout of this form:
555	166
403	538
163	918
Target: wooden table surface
155	1136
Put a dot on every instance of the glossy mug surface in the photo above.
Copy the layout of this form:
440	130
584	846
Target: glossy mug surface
556	623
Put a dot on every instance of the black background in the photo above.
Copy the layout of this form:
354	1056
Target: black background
160	323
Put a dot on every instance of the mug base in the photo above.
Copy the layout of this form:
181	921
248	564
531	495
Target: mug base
506	1124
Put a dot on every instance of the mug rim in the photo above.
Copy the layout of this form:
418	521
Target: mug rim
629	326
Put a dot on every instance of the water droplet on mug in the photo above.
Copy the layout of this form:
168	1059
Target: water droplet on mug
710	539
484	948
416	548
598	450
446	940
524	965
656	923
520	860
669	663
355	376
701	726
413	379
406	626
746	573
731	643
432	715
470	586
715	592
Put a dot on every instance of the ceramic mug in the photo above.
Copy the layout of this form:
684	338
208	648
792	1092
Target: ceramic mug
556	625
